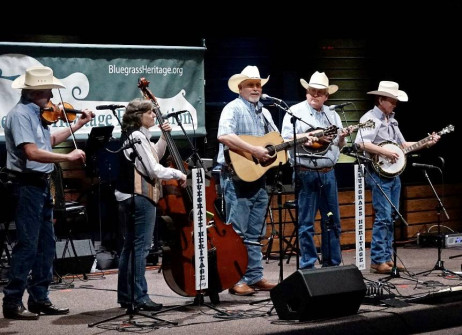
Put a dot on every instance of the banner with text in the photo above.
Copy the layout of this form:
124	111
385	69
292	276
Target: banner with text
360	216
96	75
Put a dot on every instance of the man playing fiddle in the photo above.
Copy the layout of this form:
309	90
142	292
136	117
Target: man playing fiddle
30	161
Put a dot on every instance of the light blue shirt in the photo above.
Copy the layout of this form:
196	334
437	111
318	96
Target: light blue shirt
242	117
383	130
311	119
24	125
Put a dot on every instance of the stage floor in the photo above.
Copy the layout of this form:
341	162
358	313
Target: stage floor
428	303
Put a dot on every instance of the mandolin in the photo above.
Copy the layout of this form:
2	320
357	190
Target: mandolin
321	147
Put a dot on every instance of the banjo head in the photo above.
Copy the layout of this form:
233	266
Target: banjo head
385	167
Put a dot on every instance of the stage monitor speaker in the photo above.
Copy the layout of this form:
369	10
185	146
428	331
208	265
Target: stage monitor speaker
319	293
68	262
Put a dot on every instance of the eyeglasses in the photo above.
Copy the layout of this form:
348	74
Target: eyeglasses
313	92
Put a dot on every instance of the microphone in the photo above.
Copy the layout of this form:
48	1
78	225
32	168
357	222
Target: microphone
129	144
425	166
351	149
166	116
267	97
339	106
111	107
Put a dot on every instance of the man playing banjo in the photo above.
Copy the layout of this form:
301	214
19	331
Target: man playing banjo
386	145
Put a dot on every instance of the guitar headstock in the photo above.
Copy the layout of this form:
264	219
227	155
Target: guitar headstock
368	124
446	130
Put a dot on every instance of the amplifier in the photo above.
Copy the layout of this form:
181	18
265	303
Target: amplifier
453	240
432	239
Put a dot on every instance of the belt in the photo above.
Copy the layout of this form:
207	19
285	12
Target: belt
30	175
226	169
322	170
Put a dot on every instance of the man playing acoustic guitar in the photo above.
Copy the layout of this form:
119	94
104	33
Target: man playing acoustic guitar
246	202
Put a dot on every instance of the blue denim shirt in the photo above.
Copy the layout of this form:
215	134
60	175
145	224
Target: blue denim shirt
24	125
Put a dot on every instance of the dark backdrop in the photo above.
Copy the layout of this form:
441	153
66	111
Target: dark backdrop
414	46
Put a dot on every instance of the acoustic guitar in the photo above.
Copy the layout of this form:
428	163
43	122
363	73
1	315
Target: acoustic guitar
247	168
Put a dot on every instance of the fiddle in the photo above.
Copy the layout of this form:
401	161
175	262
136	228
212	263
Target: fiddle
52	113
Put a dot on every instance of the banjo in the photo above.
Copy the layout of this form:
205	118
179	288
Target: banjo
384	167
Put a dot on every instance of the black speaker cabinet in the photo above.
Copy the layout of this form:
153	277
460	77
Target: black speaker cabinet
69	262
319	293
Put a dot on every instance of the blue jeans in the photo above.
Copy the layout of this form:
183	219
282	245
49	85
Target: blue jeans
245	205
383	228
34	252
137	232
318	191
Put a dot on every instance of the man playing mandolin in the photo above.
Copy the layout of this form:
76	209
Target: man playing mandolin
386	131
315	182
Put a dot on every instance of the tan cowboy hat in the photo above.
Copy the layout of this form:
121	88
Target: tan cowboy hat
390	89
250	72
37	78
320	81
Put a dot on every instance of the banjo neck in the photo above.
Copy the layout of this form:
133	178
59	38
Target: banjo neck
417	145
420	143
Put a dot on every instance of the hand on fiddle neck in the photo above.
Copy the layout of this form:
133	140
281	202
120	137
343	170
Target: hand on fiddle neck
87	116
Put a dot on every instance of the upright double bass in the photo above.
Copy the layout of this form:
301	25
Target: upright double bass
227	254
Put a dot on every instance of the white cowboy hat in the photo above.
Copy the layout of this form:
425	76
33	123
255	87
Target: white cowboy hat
319	80
250	72
390	89
37	78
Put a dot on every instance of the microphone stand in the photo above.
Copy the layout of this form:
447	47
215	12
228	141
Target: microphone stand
439	263
296	170
394	270
131	311
294	120
195	158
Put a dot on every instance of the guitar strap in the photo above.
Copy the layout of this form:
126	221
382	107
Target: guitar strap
149	188
265	122
327	118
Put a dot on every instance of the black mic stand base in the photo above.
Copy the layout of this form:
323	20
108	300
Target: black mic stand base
439	266
395	274
131	312
198	301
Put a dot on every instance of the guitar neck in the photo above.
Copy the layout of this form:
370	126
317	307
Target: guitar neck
289	144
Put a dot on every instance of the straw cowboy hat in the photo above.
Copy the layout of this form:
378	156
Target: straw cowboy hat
390	89
320	81
37	78
250	72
